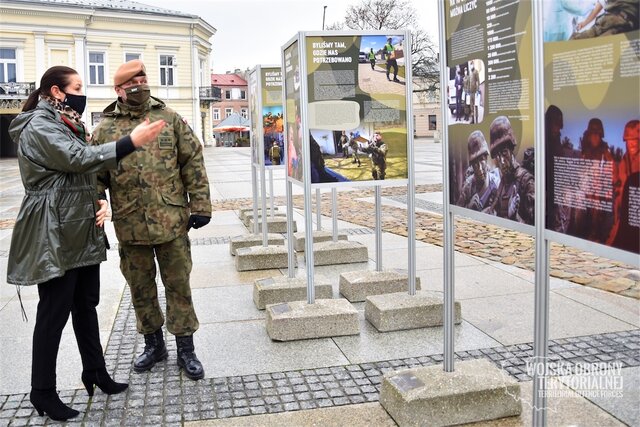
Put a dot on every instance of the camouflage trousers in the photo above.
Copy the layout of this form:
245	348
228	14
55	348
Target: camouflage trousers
138	266
606	25
378	171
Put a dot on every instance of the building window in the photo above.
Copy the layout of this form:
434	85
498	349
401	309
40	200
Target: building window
228	112
7	65
96	68
227	94
167	70
243	94
95	118
216	114
432	122
244	112
131	56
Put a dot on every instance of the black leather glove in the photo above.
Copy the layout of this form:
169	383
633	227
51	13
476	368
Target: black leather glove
197	221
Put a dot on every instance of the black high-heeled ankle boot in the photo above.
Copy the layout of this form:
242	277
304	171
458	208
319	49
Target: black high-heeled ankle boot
48	401
101	378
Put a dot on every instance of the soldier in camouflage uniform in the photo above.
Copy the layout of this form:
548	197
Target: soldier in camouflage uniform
378	151
480	189
619	16
516	192
157	194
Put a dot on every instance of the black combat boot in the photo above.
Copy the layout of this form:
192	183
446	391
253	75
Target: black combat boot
187	358
154	352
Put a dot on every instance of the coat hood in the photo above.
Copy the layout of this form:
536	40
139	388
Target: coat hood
22	120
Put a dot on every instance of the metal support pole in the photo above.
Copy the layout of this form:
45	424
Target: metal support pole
254	190
448	217
334	213
318	209
263	192
271	196
378	230
291	254
541	305
411	185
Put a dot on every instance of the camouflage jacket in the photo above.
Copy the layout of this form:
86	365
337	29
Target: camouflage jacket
155	189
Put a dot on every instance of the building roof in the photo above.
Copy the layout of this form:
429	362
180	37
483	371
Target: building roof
123	5
227	80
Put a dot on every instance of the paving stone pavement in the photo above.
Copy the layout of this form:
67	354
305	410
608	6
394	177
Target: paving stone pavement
475	238
165	397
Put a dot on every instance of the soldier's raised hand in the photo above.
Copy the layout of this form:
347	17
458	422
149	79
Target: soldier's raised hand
146	132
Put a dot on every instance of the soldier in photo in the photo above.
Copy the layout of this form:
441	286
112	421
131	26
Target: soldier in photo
474	85
344	144
157	194
620	16
354	147
516	192
274	153
625	233
378	151
465	89
479	190
594	220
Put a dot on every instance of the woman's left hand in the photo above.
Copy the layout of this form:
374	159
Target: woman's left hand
101	215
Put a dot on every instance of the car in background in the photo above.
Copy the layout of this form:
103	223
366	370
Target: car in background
363	58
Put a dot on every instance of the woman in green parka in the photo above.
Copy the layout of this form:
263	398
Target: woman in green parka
58	241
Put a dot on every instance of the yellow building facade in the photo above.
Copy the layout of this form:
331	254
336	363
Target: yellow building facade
95	37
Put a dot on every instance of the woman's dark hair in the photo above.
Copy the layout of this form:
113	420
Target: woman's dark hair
54	76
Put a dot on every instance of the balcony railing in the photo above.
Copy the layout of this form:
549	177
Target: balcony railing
16	90
210	93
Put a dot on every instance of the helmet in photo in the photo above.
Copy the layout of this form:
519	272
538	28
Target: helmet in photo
595	127
500	133
477	146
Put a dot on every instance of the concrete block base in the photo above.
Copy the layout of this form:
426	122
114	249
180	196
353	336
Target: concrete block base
358	285
298	320
274	225
340	252
274	290
242	212
248	217
476	391
400	311
261	258
318	236
248	240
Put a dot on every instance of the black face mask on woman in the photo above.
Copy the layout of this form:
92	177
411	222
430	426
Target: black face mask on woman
75	102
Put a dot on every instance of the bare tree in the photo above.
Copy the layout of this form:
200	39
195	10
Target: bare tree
396	15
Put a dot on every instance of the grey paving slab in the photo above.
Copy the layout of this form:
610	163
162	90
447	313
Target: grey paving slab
389	241
362	415
15	359
211	254
225	230
509	318
427	257
476	282
620	307
225	304
211	275
372	345
571	410
14	326
244	348
620	396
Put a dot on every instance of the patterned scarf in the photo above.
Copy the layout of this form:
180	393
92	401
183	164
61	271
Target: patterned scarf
70	117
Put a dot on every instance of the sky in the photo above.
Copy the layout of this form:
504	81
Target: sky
251	32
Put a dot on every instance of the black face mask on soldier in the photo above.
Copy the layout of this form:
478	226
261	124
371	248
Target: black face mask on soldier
75	102
137	95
